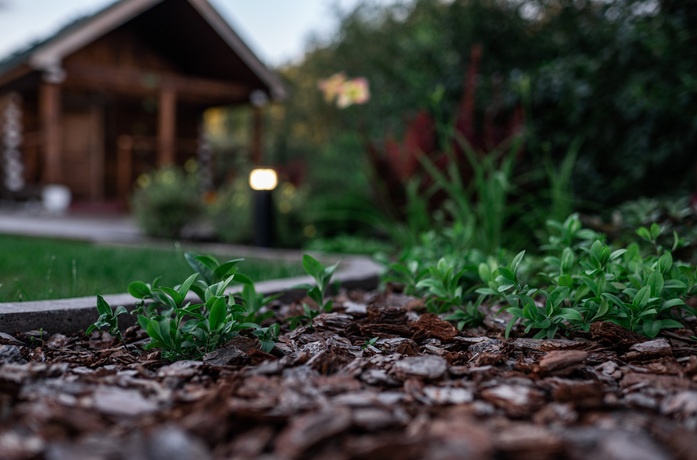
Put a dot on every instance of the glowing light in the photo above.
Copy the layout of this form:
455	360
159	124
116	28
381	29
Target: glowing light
263	179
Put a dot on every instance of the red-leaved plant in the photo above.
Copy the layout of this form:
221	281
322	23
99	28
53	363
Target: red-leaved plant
398	162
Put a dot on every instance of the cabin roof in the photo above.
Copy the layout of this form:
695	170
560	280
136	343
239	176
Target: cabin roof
45	55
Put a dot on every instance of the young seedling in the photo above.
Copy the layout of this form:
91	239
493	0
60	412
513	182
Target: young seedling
370	343
108	319
323	277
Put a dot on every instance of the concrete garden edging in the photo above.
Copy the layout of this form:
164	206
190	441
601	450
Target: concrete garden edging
74	315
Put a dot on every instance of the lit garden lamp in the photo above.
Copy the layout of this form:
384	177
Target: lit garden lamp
263	181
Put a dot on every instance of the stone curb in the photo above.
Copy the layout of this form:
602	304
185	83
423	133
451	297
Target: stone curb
74	315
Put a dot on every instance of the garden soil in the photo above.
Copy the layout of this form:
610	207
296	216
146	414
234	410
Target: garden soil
423	390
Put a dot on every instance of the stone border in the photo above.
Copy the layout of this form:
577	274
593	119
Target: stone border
74	315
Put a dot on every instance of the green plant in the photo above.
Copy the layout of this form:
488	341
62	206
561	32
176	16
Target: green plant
590	281
230	213
183	328
166	201
322	276
108	319
442	287
467	315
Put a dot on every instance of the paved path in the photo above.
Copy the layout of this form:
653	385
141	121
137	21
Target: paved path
80	227
118	229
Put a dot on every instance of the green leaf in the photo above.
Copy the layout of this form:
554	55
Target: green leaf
302	287
120	310
329	271
143	322
671	303
618	253
642	297
558	295
139	290
516	312
217	313
655	283
671	323
510	326
202	265
243	279
644	233
103	307
484	272
186	285
516	262
665	262
674	284
225	268
312	266
565	280
174	295
651	328
507	274
328	306
154	331
592	285
655	231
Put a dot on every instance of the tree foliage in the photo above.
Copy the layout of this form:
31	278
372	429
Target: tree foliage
620	75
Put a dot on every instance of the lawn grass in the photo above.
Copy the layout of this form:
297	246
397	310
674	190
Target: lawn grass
43	268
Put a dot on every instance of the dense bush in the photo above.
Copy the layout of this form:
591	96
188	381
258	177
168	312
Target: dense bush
165	201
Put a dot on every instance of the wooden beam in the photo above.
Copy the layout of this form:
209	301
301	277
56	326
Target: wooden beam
145	83
50	113
166	127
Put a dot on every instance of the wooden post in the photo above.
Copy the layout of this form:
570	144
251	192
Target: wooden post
124	167
167	118
50	112
257	135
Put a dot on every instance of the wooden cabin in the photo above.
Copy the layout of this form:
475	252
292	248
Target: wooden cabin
120	93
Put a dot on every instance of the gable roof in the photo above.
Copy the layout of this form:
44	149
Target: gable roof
48	54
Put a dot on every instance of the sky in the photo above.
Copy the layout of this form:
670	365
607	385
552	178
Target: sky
276	30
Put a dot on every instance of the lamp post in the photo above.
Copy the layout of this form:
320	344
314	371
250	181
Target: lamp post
263	181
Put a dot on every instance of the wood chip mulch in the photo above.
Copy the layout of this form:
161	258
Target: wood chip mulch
424	390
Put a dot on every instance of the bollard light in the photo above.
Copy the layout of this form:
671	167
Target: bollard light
263	181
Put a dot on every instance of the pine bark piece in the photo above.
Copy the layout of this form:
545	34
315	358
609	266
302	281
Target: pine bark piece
581	393
122	403
430	325
229	355
517	400
528	442
562	362
648	350
550	345
310	429
614	335
457	435
682	404
428	367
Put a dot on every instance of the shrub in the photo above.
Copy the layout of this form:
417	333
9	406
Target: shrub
165	201
231	213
